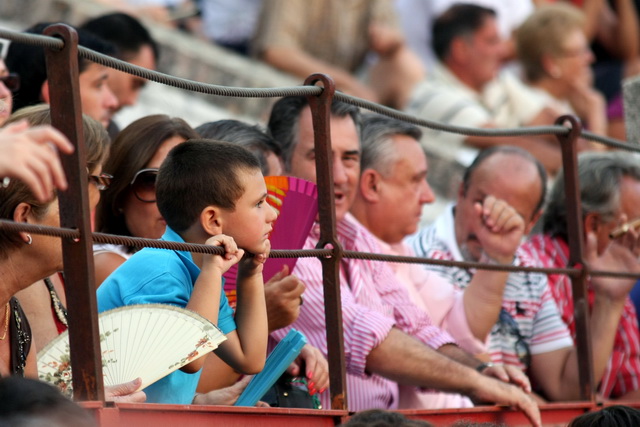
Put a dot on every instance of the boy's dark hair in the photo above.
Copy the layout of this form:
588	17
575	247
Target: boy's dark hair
124	31
30	402
461	19
29	63
285	116
200	173
382	418
612	416
253	138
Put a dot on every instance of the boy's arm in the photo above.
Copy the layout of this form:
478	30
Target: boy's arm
245	348
205	297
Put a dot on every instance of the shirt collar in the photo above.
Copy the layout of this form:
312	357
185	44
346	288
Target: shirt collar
446	232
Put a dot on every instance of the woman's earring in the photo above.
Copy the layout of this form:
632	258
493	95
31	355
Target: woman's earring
29	239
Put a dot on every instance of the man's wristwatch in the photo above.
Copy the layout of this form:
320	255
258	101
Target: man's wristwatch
481	367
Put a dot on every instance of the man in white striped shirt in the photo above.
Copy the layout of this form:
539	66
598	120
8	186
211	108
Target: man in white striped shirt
530	332
388	339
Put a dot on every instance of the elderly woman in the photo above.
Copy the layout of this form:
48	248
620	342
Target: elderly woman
556	60
44	301
27	259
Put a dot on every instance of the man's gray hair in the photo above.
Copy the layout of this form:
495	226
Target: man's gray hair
378	150
600	175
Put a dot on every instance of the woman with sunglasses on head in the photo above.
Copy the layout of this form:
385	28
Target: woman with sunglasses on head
129	207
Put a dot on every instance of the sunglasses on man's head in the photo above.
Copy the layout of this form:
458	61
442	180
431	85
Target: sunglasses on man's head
143	185
11	81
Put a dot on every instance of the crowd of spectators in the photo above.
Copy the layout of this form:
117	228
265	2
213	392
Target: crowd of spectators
415	336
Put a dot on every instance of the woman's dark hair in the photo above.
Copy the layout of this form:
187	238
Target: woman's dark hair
131	151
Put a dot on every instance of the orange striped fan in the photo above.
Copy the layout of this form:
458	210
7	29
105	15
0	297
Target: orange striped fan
296	201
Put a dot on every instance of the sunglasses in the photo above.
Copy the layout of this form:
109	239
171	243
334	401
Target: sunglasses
508	326
143	185
11	81
102	181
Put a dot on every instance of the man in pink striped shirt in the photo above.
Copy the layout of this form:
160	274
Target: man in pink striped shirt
388	339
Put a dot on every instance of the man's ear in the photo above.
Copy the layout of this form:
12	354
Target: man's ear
22	213
211	220
44	92
461	191
370	185
591	222
458	49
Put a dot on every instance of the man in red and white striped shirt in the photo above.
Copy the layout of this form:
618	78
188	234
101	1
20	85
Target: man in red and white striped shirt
610	196
530	332
387	339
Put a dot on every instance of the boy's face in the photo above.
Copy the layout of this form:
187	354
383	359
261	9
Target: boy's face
251	221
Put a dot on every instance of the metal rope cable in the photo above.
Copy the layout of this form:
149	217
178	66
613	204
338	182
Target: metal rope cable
281	253
52	42
153	243
211	89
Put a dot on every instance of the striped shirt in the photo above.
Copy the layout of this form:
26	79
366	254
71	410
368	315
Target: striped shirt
623	370
373	302
527	298
505	102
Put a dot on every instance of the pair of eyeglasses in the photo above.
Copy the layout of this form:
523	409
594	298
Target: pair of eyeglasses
11	81
143	185
102	181
509	326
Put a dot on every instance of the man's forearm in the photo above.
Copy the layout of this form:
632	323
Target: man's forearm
407	361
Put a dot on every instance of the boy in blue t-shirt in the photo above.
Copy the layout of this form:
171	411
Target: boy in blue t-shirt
204	189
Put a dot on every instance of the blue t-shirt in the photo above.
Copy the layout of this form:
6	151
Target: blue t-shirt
161	276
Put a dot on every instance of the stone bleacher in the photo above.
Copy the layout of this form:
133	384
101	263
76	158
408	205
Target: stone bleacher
188	57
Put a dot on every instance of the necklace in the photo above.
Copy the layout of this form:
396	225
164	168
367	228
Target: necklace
7	311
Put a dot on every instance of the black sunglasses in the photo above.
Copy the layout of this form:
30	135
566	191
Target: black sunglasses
508	326
11	81
102	181
143	185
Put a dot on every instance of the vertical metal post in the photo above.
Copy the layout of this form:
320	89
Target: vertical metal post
66	115
321	116
575	232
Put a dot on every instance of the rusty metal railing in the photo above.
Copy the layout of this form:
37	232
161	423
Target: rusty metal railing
77	238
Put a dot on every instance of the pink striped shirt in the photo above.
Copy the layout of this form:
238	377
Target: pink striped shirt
622	373
373	302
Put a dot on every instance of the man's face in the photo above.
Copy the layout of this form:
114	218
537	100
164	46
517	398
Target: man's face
346	158
126	87
629	206
507	177
97	99
485	53
402	191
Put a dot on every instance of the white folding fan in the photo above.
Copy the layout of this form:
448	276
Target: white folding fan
148	341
